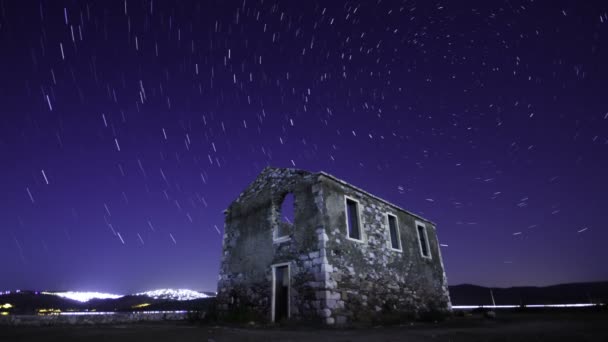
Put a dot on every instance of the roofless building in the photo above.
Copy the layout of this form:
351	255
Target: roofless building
308	246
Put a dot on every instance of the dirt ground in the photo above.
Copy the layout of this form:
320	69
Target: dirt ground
589	326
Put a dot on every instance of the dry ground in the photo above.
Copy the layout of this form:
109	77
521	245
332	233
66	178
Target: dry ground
580	326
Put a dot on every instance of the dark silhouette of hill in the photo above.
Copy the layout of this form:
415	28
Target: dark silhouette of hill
594	292
27	302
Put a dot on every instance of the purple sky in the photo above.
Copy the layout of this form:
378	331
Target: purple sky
128	126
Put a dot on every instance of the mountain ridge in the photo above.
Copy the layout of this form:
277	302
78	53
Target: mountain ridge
568	293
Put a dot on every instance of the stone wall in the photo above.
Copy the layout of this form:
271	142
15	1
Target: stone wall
369	280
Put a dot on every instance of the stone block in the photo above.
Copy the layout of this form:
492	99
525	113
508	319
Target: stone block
323	294
315	284
326	268
325	312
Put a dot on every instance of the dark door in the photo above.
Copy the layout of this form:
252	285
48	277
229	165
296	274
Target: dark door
281	293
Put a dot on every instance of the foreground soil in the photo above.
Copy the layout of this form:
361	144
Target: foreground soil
507	326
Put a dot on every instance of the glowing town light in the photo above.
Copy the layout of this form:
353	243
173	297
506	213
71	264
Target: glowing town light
45	312
88	313
179	294
108	313
6	306
83	296
171	294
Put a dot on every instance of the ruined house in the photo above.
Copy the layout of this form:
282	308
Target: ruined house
344	256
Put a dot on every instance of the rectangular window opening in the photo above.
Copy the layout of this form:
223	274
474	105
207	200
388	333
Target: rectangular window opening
424	244
284	225
394	232
352	219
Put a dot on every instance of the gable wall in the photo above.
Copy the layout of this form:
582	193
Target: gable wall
245	283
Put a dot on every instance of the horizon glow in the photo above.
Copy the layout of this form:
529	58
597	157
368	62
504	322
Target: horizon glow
173	294
83	297
177	294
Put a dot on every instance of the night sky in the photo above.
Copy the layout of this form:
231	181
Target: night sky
127	127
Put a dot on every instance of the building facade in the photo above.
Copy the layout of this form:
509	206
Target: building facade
309	246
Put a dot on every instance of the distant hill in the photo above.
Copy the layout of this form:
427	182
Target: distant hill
466	294
27	302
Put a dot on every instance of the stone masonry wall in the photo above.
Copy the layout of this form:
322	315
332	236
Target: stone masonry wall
368	280
245	281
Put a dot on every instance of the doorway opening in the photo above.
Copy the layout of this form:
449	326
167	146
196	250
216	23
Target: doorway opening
280	292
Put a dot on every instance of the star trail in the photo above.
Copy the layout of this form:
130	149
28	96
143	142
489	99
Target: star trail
127	127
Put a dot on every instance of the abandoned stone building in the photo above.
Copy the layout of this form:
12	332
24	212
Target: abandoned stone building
308	246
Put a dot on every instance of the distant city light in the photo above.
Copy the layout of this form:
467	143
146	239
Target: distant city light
97	313
87	313
45	312
84	296
171	294
179	294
